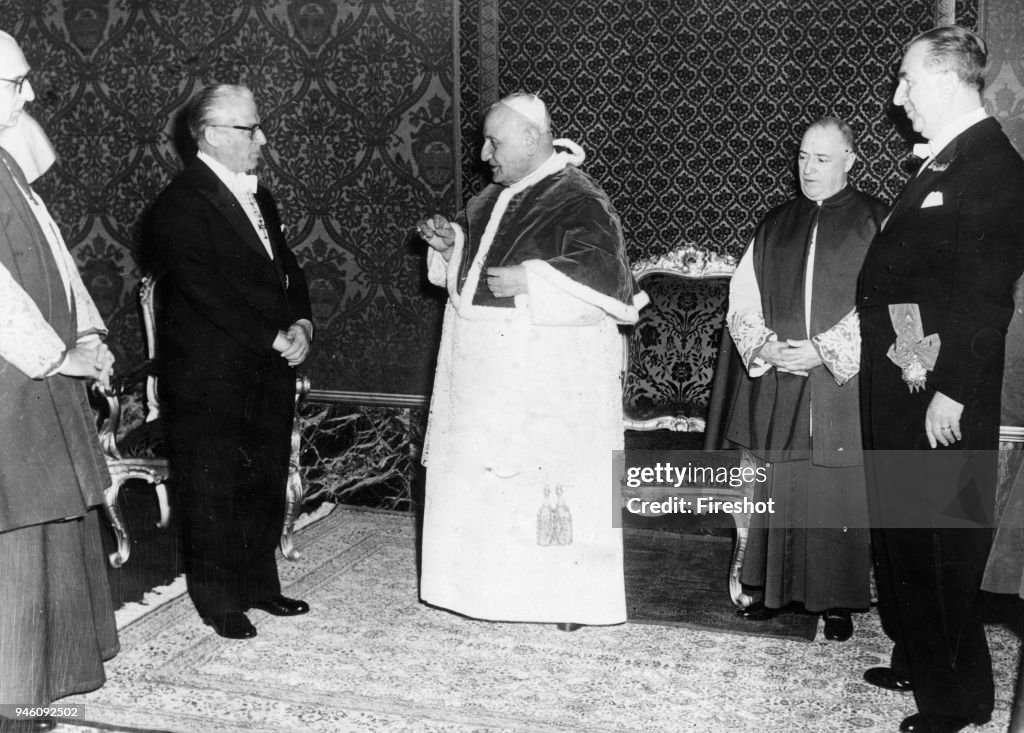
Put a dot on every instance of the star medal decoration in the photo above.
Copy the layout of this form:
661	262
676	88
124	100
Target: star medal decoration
913	352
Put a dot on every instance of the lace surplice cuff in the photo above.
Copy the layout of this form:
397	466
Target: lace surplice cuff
839	348
26	340
749	333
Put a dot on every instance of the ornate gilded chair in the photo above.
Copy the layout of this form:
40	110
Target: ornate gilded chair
670	358
671	351
141	452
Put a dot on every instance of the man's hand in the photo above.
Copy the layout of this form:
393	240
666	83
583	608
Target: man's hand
90	359
795	356
293	344
942	420
437	232
506	282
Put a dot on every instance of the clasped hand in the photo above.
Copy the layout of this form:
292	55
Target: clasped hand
293	344
795	356
91	359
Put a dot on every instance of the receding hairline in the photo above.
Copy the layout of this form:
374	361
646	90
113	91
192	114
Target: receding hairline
953	48
223	94
837	125
209	102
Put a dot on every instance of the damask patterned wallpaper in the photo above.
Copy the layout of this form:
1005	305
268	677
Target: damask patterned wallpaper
356	96
1002	22
691	110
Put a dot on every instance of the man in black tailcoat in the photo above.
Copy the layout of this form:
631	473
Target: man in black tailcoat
235	321
935	296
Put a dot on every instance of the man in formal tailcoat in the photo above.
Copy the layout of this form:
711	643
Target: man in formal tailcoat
935	296
234	323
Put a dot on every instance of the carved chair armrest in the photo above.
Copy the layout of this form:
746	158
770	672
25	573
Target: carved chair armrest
110	422
120	383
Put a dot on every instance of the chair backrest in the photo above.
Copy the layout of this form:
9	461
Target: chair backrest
672	348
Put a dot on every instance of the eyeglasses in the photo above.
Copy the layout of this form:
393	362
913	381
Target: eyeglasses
18	83
251	129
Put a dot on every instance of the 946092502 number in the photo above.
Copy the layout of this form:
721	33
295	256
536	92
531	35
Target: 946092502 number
24	712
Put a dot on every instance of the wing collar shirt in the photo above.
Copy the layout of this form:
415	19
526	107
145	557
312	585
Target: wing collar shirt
243	187
933	147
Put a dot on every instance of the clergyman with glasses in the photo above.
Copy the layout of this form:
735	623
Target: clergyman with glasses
56	616
235	321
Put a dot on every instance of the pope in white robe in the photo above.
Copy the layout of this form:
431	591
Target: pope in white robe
527	402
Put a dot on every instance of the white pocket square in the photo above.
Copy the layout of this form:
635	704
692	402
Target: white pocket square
932	199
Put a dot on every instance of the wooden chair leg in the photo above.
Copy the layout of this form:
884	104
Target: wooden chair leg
294	493
295	490
165	507
124	545
739	598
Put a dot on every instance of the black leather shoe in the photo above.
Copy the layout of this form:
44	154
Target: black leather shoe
569	627
757	611
838	624
281	606
925	723
885	678
232	625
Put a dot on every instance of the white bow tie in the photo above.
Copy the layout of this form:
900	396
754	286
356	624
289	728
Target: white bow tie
923	150
246	182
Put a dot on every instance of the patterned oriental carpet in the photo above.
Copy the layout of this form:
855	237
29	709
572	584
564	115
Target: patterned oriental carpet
682	580
370	657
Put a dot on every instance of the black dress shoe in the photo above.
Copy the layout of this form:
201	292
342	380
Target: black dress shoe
757	611
281	606
885	678
927	723
569	627
231	625
838	624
